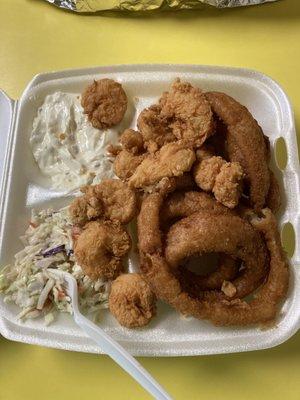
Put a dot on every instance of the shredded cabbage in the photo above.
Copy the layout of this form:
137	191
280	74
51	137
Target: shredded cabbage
30	285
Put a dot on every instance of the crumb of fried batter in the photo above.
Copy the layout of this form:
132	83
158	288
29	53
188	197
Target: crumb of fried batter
206	172
228	289
131	301
227	187
104	102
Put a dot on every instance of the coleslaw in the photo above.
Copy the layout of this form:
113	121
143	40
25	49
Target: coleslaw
29	282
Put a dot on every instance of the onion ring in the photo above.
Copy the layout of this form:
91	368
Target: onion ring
236	312
207	232
227	270
183	204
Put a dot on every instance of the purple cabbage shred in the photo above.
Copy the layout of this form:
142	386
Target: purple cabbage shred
54	251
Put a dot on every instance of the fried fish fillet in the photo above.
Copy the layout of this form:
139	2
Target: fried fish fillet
173	159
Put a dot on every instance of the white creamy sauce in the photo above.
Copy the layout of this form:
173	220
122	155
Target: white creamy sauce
65	145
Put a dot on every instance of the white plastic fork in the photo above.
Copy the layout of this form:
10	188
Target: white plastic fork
108	345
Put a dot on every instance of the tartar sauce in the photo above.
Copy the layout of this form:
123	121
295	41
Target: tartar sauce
65	145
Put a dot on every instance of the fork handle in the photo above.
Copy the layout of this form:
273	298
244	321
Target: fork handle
121	357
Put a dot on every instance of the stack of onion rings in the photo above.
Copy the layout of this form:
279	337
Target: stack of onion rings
242	240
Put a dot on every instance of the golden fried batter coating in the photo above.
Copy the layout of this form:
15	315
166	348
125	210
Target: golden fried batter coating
205	151
223	178
132	141
150	240
273	200
130	155
86	208
262	308
100	248
105	103
183	204
227	188
111	199
205	173
126	163
154	128
245	144
131	301
113	149
227	269
119	200
173	159
206	232
192	114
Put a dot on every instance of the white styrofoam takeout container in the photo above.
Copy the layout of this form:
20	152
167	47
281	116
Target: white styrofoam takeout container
23	188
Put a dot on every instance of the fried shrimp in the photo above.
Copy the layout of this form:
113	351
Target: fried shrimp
228	184
190	111
100	248
86	208
131	154
206	172
131	301
222	178
105	103
155	129
110	199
